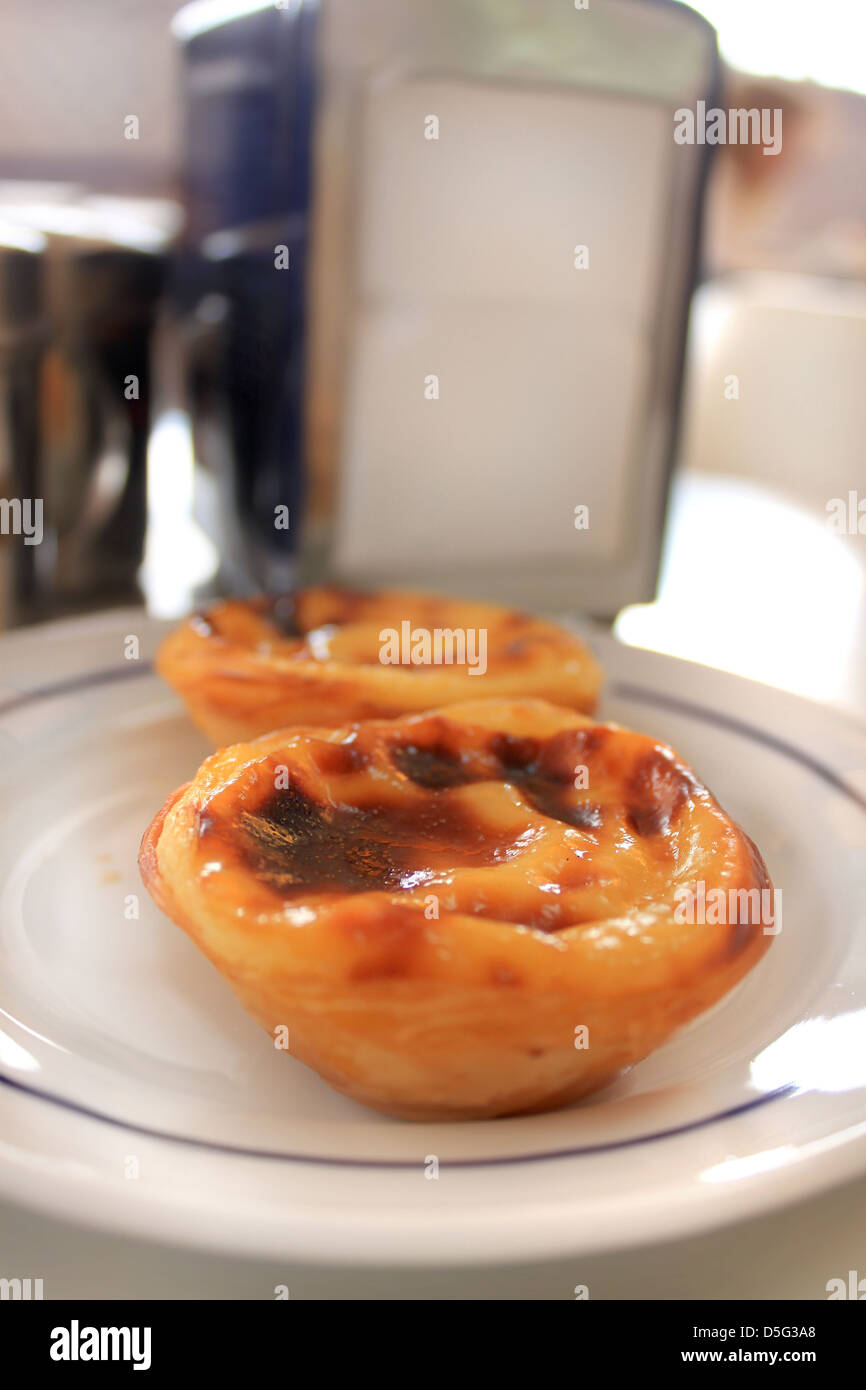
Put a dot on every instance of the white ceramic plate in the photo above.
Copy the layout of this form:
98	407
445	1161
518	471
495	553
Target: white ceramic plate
137	1095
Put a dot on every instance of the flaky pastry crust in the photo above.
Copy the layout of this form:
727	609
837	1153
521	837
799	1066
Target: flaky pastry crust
436	911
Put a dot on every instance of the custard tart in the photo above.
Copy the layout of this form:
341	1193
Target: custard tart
462	914
330	656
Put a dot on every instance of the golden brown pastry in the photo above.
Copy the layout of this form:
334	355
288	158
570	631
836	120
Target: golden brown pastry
436	912
329	656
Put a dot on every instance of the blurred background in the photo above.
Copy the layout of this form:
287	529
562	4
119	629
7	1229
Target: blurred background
445	293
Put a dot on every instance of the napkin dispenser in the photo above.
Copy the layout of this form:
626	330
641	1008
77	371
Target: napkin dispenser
496	246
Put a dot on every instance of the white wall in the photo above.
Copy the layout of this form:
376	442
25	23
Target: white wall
70	71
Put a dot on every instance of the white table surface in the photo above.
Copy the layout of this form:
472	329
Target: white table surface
789	1255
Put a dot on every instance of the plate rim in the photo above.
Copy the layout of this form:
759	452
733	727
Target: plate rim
803	1177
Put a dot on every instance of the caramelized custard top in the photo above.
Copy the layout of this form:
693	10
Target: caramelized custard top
333	623
543	831
294	842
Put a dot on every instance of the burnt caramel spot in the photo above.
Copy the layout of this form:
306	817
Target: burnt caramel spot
656	793
556	802
514	754
339	759
432	768
545	774
565	751
586	815
293	615
745	924
293	842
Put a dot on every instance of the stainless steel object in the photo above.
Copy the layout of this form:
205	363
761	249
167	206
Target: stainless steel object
22	333
77	318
